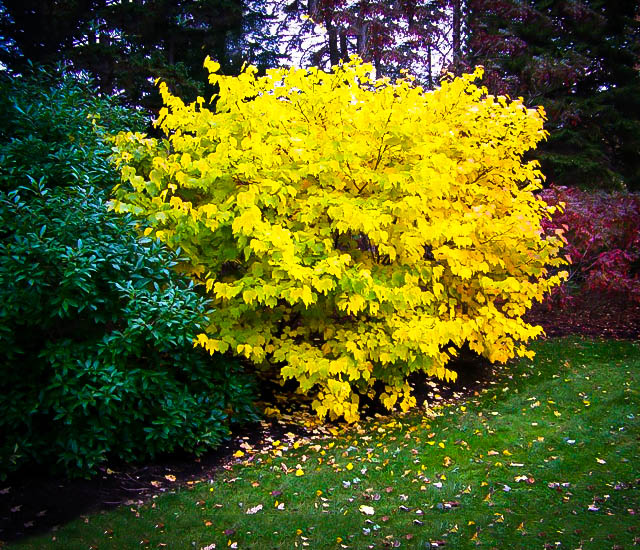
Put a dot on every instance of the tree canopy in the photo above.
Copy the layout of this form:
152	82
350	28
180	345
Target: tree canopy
125	46
580	60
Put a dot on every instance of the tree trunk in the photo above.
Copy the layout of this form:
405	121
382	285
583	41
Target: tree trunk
361	40
456	30
429	68
334	52
344	46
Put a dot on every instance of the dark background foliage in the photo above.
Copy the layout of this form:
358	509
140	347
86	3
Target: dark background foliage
580	60
124	46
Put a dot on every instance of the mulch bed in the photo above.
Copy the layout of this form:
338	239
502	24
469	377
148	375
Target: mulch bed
32	503
589	315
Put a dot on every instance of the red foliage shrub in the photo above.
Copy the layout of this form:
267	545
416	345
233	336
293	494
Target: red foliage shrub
602	232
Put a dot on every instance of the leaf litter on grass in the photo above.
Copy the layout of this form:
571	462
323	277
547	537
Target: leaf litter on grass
458	476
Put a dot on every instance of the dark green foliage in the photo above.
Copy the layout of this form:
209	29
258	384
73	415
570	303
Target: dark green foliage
97	330
54	128
126	45
96	326
580	61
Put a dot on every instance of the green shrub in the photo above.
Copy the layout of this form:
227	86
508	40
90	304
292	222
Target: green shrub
98	335
54	127
96	326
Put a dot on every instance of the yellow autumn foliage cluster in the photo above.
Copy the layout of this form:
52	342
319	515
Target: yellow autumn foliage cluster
350	230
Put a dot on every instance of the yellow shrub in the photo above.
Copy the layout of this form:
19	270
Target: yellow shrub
350	230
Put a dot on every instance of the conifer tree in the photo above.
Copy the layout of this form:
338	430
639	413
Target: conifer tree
578	59
125	46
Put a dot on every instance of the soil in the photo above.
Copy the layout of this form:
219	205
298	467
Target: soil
590	315
33	502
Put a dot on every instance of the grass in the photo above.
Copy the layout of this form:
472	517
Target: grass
547	456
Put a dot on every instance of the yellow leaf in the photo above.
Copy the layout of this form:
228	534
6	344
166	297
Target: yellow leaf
299	472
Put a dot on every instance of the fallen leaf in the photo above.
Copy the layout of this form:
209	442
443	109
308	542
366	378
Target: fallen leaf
367	510
170	477
254	509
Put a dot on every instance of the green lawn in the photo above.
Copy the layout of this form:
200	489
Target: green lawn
545	457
